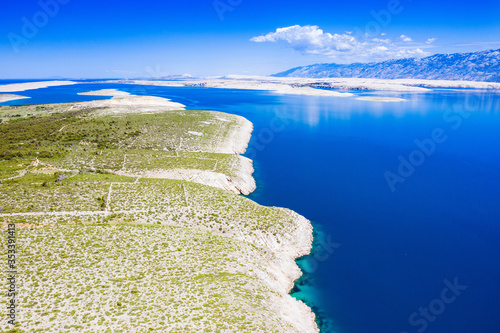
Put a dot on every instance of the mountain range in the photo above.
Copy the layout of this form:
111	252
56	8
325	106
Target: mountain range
473	66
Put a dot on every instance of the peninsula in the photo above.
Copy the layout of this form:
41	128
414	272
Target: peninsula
128	216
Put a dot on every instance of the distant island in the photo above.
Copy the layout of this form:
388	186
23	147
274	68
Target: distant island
474	66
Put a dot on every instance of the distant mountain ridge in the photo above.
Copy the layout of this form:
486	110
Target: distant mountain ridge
474	66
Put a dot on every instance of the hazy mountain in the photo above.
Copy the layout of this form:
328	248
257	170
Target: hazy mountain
474	66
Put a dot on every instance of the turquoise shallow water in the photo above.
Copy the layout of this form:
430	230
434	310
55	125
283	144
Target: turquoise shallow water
386	259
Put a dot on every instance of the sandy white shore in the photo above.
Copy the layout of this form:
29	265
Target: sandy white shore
274	86
319	87
374	84
16	87
105	92
450	84
122	102
10	97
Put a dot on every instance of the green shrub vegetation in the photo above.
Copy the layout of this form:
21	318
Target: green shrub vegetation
104	250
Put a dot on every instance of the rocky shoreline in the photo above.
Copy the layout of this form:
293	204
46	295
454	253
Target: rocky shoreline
297	243
280	236
283	271
242	183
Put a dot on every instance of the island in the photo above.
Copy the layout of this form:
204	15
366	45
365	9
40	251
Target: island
10	97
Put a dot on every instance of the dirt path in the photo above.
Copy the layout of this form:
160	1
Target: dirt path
75	213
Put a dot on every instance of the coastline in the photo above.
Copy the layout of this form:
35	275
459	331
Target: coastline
299	237
300	244
11	97
235	142
124	102
281	237
274	86
17	87
309	86
295	243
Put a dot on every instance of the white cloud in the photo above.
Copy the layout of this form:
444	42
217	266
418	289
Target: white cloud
310	39
341	47
431	40
406	39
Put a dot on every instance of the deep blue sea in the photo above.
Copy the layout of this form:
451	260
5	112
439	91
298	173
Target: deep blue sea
404	198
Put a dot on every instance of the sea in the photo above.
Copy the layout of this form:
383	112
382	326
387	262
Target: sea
404	198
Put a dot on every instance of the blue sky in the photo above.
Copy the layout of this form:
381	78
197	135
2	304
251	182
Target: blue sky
96	39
